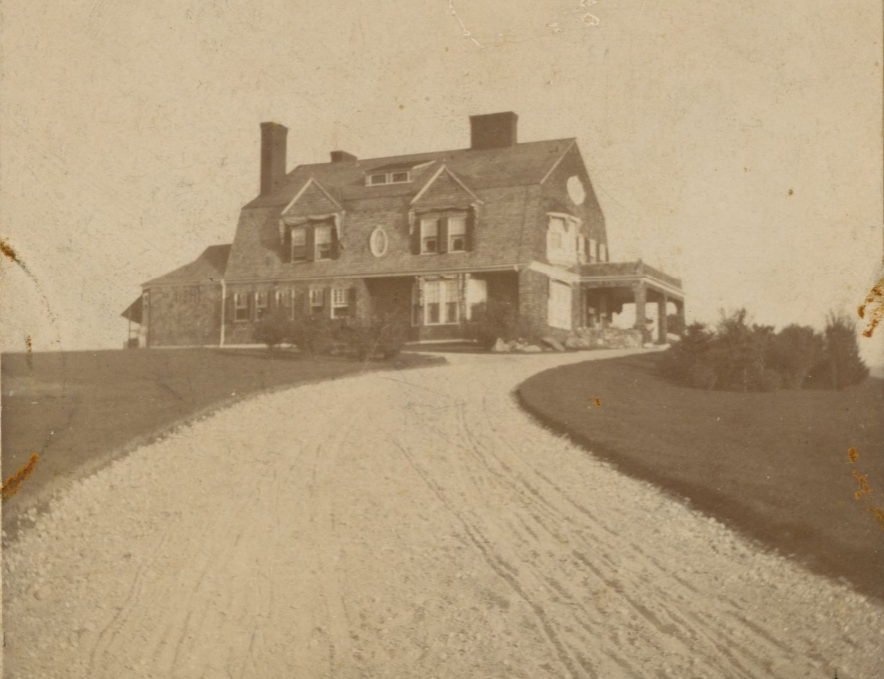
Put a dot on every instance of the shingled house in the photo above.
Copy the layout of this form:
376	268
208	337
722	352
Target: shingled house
427	236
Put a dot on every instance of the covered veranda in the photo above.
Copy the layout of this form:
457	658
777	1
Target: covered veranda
606	287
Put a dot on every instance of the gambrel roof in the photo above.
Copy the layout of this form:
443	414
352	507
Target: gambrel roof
504	185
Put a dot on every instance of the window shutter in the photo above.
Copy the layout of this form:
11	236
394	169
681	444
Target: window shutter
442	240
416	236
471	225
250	304
306	307
353	296
287	244
311	243
335	243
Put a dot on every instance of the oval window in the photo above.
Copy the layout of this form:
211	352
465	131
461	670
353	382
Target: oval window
378	242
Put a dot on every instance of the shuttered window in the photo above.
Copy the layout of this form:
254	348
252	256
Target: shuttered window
457	233
261	299
429	235
241	306
323	242
299	245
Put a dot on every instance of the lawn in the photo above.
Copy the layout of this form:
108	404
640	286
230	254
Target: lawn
79	409
772	465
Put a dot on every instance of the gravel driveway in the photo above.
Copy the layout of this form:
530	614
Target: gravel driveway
406	525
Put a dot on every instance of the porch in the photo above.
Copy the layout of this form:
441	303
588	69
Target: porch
607	287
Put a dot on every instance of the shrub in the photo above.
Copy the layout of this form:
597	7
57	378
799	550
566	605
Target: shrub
314	335
496	319
385	336
274	330
795	352
840	364
684	359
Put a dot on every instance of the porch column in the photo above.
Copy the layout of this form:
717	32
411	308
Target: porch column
679	312
662	321
603	309
640	297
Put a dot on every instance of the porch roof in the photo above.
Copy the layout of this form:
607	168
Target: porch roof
624	274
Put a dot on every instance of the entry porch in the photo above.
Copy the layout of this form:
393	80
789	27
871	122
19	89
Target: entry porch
607	287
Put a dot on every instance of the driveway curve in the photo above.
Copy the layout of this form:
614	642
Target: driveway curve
415	524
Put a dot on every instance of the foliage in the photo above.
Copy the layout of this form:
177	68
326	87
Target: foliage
498	319
314	334
795	352
274	329
741	356
385	336
840	365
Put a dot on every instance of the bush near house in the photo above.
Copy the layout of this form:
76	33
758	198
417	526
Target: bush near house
498	319
320	336
739	356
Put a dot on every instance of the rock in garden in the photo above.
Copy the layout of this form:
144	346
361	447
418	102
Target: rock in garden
500	346
530	349
553	343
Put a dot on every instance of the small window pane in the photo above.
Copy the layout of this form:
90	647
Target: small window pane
400	176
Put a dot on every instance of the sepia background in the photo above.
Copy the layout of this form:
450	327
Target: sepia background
734	144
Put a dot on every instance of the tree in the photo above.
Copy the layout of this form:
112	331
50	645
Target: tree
841	364
795	352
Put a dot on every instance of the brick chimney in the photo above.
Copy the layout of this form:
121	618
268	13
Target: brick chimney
494	130
273	150
341	156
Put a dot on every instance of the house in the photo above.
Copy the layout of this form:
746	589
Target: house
427	237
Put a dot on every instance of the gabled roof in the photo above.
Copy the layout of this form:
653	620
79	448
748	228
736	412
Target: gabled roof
209	267
519	165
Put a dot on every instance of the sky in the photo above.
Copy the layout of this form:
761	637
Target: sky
737	145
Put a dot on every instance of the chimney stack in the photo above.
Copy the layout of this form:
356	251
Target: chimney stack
340	156
273	151
494	130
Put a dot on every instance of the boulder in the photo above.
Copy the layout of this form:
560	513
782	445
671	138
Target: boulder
575	343
553	343
530	349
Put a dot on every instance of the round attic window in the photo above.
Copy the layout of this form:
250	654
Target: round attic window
378	242
575	190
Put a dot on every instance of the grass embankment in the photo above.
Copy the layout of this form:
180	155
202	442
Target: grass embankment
772	465
76	409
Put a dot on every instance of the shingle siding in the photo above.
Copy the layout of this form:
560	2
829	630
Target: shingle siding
185	315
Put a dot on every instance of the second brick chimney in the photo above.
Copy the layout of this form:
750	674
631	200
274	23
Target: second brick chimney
273	152
494	130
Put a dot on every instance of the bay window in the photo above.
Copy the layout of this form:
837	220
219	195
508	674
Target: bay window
436	302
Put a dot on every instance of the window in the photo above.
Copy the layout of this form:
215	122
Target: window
603	252
340	307
592	251
299	245
429	235
316	300
559	306
380	178
378	242
440	303
457	233
261	299
556	233
323	242
476	294
241	306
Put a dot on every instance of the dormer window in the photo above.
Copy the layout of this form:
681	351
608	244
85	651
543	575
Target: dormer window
429	235
457	233
380	178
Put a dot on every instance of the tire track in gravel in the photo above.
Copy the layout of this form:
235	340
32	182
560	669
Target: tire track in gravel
422	525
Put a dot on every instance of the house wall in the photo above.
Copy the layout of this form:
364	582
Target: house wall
242	332
555	198
534	302
184	315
